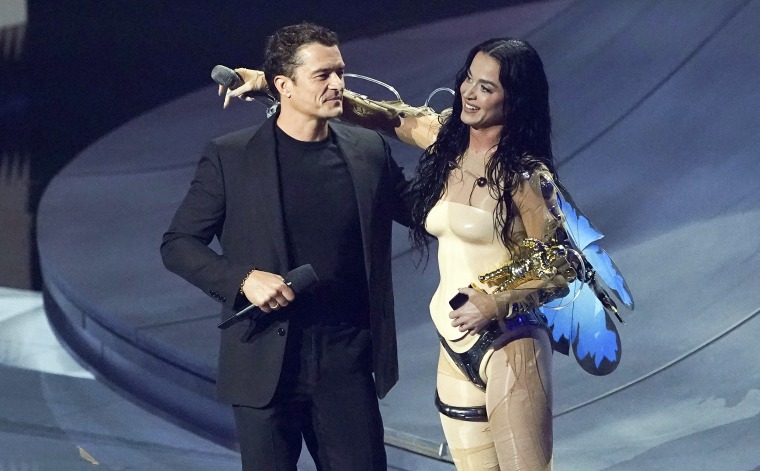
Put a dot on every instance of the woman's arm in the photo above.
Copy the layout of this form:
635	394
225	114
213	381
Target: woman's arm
540	271
417	126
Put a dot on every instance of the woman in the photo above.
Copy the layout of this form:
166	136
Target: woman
480	194
486	191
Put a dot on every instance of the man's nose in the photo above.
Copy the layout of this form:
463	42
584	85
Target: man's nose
336	81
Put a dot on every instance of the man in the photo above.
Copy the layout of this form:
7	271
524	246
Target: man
299	189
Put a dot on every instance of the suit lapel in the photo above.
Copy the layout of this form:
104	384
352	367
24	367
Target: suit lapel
261	160
365	179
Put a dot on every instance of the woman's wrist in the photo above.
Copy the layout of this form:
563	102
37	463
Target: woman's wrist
504	305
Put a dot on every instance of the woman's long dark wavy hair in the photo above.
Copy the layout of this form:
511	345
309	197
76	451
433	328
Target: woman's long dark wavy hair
525	141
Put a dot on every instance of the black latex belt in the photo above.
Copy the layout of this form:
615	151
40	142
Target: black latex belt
468	414
469	362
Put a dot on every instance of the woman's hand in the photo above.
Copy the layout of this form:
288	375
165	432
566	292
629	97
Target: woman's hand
253	81
476	313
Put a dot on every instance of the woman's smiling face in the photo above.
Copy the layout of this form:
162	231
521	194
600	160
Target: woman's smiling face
482	93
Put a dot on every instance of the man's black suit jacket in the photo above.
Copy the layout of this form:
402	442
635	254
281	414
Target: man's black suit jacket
235	196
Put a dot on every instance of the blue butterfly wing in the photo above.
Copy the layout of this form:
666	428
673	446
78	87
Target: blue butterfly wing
597	344
584	324
577	225
610	274
560	320
584	235
580	319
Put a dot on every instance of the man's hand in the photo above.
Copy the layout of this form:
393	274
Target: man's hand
254	81
267	290
476	313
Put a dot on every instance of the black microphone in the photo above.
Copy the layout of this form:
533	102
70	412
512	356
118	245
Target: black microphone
226	77
298	279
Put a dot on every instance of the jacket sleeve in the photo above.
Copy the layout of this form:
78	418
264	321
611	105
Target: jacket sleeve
200	218
402	188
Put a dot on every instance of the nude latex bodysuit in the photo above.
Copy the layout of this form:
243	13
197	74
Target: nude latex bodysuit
518	395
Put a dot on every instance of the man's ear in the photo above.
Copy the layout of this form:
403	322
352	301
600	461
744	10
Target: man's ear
284	85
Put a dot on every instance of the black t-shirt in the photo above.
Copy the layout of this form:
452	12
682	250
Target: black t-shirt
322	228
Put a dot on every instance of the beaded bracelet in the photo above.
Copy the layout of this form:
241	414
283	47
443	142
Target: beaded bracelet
244	280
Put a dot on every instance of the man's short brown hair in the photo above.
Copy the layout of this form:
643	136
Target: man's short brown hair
281	53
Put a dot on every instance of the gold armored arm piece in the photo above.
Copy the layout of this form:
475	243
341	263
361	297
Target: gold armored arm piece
383	116
531	279
537	261
363	105
415	125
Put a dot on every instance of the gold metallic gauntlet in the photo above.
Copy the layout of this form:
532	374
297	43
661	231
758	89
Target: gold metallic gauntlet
381	115
372	114
537	261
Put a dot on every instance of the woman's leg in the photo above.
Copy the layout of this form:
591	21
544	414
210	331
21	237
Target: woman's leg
470	443
519	403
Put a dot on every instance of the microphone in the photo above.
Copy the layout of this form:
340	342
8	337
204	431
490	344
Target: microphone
298	279
226	77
